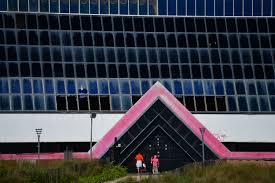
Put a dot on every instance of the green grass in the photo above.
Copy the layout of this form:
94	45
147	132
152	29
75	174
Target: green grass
59	171
224	172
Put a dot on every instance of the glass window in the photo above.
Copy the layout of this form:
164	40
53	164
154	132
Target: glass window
229	86
242	104
187	87
12	5
261	88
229	7
27	88
103	87
135	87
167	85
64	6
104	7
177	87
200	9
115	100
124	7
94	6
114	87
172	7
250	87
219	8
48	84
219	87
198	87
37	86
93	89
232	103
162	7
247	7
70	87
124	86
145	85
253	104
3	5
264	105
272	103
28	105
240	88
60	86
44	5
190	7
74	6
39	102
126	102
15	86
54	5
133	7
5	103
271	87
4	87
50	102
16	102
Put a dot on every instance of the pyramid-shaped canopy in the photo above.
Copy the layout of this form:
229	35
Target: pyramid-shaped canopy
159	124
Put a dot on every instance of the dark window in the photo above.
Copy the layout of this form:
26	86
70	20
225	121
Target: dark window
262	25
77	39
256	55
31	20
265	42
251	25
10	37
254	41
217	71
42	22
206	72
244	41
154	70
221	25
192	41
34	52
128	24
75	22
210	103
58	70
164	70
53	20
182	41
200	25
111	57
130	41
138	23
112	71
144	73
163	58
91	71
172	41
237	70
248	72
169	23
98	39
235	56
160	26
33	39
196	72
44	38
190	25
133	71
140	40
72	103
96	23
101	71
61	103
210	24
20	21
161	40
259	72
231	25
123	73
221	105
202	41
185	72
200	103
9	21
104	103
22	37
149	25
55	39
121	57
215	57
12	54
80	71
233	41
241	25
88	40
189	102
86	23
240	89
65	23
223	43
151	40
225	58
118	24
36	70
46	54
3	70
227	72
25	70
269	72
13	70
176	71
120	40
69	68
66	39
94	102
109	40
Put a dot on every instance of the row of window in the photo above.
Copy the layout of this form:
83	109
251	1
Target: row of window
184	71
124	102
136	87
145	7
150	40
137	24
139	55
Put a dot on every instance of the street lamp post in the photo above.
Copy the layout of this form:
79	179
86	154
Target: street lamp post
92	116
38	132
202	130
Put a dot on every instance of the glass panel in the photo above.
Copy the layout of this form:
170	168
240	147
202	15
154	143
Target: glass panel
267	7
114	87
82	87
84	6
37	86
123	7
12	5
53	5
103	7
27	88
172	7
93	89
50	102
177	87
242	104
23	5
238	7
4	87
28	102
187	87
64	6
145	85
191	7
126	103
272	103
39	102
124	86
133	7
229	86
135	87
219	87
228	7
3	5
247	7
167	85
60	86
253	104
200	9
44	5
210	7
103	87
15	86
48	84
208	87
70	87
232	103
261	88
115	103
198	87
240	88
94	6
250	87
264	106
271	87
16	102
219	8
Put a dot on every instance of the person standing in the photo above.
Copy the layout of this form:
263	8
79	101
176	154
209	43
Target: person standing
155	164
139	159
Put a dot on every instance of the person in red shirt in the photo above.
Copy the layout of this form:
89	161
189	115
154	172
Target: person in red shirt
155	163
139	159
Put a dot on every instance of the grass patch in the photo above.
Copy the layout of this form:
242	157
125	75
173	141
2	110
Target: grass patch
59	171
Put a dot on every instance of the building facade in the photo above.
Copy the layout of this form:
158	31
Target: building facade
57	57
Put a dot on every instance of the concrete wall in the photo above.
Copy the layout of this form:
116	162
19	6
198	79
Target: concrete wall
76	127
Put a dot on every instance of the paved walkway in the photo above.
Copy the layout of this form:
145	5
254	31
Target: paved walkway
134	177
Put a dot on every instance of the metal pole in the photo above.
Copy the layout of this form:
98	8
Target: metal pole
38	147
91	140
203	158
